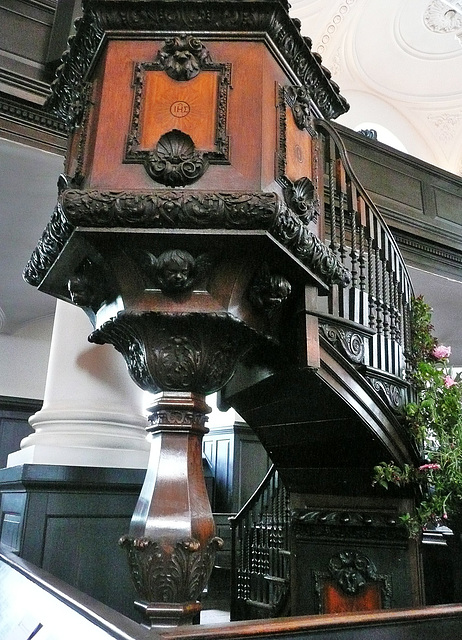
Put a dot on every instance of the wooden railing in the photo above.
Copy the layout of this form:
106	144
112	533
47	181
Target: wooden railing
427	623
260	569
379	295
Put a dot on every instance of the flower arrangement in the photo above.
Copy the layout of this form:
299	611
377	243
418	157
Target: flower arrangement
435	422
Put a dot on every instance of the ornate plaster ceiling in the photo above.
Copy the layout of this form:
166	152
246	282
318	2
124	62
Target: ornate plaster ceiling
399	64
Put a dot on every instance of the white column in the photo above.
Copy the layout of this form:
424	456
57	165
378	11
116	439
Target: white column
92	413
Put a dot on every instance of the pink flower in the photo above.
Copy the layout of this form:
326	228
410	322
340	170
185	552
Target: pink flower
441	352
448	381
429	467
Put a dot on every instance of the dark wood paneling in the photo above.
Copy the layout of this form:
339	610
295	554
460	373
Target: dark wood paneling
68	520
33	604
14	426
238	462
23	72
421	203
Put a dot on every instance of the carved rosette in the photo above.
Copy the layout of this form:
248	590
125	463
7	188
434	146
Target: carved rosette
349	342
195	352
308	248
162	573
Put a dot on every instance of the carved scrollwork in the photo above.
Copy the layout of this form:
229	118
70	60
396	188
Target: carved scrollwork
166	209
166	573
350	342
341	525
195	352
198	210
391	393
183	57
54	237
301	198
351	572
175	161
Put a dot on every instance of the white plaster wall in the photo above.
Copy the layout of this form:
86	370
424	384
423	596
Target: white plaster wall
24	359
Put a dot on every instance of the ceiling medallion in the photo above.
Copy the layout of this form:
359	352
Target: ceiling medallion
444	16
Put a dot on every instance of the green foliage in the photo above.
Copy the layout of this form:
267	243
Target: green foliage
435	421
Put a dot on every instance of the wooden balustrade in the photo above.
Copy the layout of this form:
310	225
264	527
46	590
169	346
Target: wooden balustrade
260	571
379	295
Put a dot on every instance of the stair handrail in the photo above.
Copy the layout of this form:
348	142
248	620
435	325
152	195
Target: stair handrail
379	295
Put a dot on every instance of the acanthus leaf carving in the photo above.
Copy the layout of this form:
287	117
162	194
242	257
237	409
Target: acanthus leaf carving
170	573
195	352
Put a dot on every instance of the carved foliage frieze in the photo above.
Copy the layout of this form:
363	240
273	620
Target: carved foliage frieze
357	525
308	248
52	241
195	352
164	209
170	573
349	342
180	209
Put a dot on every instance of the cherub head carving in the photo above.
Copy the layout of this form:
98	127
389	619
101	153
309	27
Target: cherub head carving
269	291
175	271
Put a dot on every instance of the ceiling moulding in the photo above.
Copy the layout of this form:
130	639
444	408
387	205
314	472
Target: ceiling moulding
446	125
331	28
444	16
20	121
